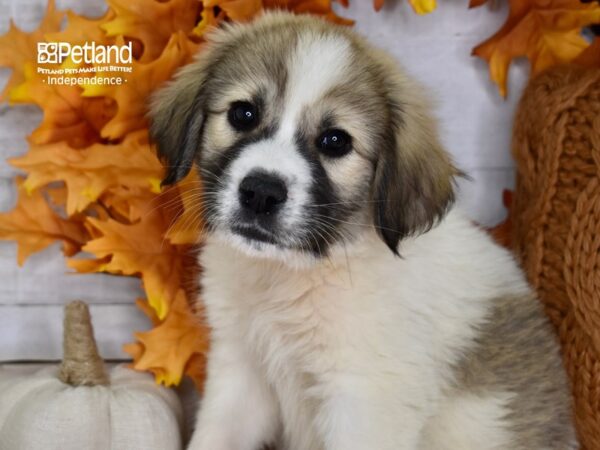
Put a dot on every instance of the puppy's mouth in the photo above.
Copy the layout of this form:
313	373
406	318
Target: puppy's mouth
254	233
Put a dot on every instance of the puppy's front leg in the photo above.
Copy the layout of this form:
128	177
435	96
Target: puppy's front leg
238	410
359	416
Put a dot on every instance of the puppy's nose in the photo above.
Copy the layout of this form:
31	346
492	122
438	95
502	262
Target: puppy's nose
262	193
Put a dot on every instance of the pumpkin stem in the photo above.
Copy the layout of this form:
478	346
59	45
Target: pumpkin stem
81	365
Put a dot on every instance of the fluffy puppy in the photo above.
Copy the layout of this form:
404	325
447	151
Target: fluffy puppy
351	308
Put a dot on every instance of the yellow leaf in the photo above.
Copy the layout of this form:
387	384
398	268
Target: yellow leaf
423	6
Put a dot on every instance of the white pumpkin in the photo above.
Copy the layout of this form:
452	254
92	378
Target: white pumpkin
78	406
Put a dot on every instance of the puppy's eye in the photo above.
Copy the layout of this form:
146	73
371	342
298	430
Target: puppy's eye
334	142
243	116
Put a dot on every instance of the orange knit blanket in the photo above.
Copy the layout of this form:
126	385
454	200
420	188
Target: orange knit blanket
555	221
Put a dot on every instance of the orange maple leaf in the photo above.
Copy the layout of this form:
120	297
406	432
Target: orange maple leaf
80	29
196	369
209	18
129	204
547	33
67	116
34	225
322	8
88	172
238	10
590	57
19	49
169	347
151	22
131	97
138	249
419	6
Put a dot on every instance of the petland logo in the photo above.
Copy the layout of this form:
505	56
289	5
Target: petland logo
89	53
84	65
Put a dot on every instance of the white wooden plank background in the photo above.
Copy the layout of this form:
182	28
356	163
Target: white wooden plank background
475	126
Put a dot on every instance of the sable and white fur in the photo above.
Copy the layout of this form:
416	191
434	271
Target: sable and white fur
364	313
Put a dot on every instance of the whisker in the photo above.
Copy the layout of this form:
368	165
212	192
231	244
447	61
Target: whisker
353	202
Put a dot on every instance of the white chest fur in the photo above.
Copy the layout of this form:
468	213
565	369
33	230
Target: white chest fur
363	321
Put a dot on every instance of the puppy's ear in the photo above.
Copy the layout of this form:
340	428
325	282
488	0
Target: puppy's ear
177	117
414	176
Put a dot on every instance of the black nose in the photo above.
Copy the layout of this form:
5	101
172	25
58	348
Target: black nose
262	193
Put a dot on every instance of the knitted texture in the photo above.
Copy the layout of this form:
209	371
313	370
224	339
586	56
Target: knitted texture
555	221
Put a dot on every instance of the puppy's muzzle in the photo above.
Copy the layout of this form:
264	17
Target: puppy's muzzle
262	194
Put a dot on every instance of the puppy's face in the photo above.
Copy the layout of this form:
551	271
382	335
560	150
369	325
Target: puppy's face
305	138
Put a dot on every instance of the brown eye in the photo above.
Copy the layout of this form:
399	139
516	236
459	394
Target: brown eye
334	142
243	116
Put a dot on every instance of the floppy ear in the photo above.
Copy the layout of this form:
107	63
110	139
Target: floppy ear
177	117
414	176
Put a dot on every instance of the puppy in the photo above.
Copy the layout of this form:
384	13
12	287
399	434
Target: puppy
351	308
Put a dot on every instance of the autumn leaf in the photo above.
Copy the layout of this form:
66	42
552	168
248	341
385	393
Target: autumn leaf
170	346
196	369
423	6
132	96
322	8
80	30
143	305
238	10
590	57
152	22
67	116
476	3
208	19
18	49
34	225
140	249
419	6
128	205
546	32
88	172
501	233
